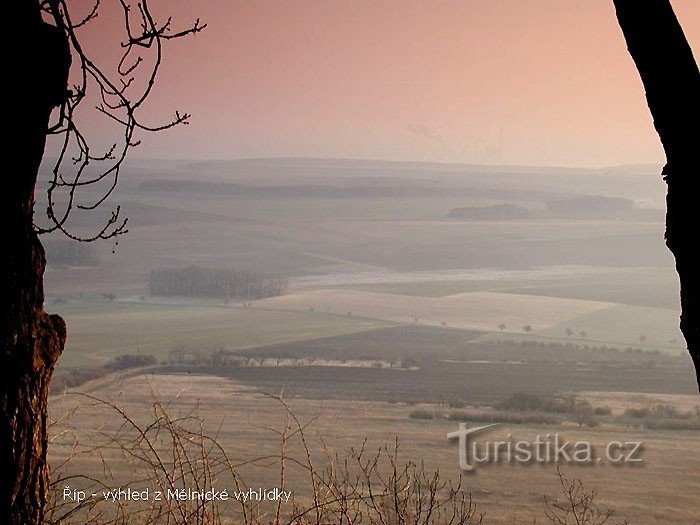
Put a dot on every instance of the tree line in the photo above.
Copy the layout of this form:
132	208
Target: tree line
194	281
65	252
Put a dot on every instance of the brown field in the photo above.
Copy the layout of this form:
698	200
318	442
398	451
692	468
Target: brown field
619	401
661	491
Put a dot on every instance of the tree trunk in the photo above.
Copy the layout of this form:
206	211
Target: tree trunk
30	340
671	79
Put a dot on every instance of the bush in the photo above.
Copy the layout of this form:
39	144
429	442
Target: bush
505	417
587	421
661	411
532	402
123	362
79	376
602	411
669	412
76	377
637	413
422	414
672	424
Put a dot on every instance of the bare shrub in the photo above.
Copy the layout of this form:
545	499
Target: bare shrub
577	505
167	451
170	452
661	417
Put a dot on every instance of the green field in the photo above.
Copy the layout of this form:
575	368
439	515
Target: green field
621	326
634	325
653	287
98	331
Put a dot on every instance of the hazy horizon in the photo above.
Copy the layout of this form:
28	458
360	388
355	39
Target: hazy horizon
135	158
547	83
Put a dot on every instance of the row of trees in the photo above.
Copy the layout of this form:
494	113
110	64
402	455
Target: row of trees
570	332
208	282
64	252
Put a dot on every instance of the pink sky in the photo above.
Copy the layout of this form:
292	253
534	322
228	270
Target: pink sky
437	80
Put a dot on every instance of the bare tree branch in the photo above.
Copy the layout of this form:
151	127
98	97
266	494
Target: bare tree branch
121	93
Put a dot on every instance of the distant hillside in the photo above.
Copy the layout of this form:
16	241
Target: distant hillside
495	212
365	188
640	183
593	204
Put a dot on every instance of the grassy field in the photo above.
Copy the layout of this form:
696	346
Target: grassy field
432	288
635	325
99	331
476	310
650	287
663	491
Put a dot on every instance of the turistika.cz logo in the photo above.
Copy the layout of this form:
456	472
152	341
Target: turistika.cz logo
548	448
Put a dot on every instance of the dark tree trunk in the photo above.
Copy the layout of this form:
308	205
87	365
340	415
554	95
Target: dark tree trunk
671	79
30	340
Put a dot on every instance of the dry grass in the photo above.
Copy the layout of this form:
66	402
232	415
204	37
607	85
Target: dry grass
621	401
172	455
662	491
473	310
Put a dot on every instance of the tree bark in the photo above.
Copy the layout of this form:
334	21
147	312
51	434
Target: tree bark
30	340
671	80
